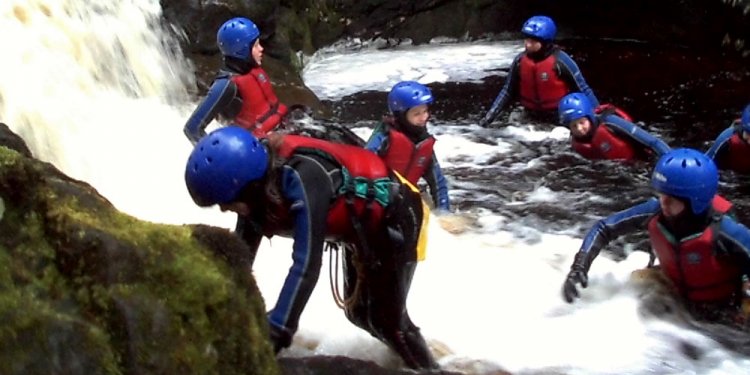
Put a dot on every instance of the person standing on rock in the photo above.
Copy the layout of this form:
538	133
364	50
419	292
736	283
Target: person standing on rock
731	149
402	140
313	191
241	92
540	75
701	248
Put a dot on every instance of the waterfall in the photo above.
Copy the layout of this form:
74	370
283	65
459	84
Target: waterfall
99	88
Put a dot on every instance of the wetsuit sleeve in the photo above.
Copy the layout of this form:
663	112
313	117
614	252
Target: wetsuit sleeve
307	186
438	185
636	133
507	93
250	233
721	145
571	74
733	238
378	142
616	225
219	96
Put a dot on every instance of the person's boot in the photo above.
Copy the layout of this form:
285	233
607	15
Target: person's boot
413	349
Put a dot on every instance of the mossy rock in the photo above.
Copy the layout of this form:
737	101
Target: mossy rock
87	289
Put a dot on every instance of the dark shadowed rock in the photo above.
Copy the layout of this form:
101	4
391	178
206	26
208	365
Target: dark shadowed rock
12	141
326	365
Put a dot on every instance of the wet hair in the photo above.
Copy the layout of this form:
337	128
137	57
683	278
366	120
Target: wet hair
264	196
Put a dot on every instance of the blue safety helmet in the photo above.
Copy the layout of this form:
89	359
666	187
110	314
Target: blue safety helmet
540	27
688	174
408	94
222	163
745	120
574	106
236	37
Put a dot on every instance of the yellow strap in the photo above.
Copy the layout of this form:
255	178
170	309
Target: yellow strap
422	242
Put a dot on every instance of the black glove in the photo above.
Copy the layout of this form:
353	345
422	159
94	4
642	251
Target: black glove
577	275
280	338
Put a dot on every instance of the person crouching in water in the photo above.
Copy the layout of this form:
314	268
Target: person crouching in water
402	140
313	191
731	148
605	135
701	248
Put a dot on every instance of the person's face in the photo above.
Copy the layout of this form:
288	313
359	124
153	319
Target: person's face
532	45
746	136
580	127
670	206
257	52
418	115
240	208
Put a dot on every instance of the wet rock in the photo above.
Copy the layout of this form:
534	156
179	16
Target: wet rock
88	289
13	141
325	365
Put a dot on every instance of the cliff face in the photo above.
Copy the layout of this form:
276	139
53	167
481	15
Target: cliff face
89	290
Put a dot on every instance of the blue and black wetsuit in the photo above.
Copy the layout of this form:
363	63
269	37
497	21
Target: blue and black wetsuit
564	66
375	288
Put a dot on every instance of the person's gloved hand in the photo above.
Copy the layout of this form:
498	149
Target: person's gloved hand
280	337
577	275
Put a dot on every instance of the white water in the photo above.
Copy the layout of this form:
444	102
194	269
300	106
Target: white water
94	88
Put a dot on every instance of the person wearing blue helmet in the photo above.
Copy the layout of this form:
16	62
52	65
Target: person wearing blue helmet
241	92
402	140
606	132
315	191
701	248
540	75
731	148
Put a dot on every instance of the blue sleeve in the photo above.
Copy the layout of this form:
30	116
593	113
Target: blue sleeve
218	97
506	93
733	238
720	144
438	185
378	141
616	225
309	210
639	135
570	68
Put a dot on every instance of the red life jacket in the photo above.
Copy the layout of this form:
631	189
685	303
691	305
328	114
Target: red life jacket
602	109
691	264
737	159
540	87
605	145
261	110
407	158
359	163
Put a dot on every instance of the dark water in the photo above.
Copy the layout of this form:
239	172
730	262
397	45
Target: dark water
684	96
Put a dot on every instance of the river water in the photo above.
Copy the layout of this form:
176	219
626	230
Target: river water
100	90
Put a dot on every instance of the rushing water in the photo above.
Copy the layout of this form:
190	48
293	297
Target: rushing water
99	89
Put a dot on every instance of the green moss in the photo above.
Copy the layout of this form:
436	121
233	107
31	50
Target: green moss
88	289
